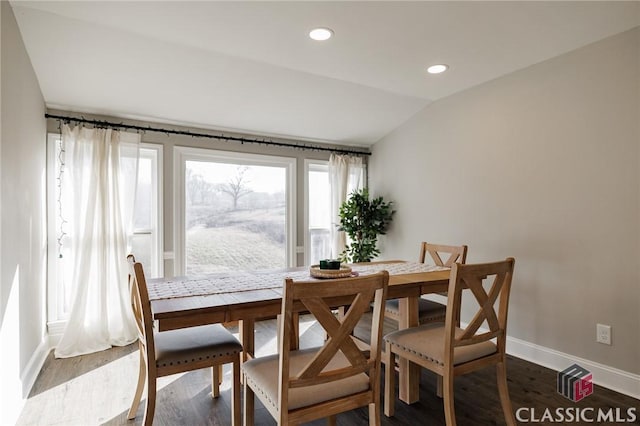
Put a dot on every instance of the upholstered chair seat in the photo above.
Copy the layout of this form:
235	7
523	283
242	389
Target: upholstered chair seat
430	345
190	345
262	374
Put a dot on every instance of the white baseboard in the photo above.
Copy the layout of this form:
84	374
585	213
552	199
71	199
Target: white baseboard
37	360
603	375
35	364
55	330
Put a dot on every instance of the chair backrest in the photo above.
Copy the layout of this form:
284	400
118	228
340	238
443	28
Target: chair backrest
141	308
496	276
317	297
455	254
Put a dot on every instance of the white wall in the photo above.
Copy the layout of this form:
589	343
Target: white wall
22	218
542	165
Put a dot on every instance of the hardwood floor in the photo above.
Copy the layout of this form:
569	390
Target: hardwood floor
98	388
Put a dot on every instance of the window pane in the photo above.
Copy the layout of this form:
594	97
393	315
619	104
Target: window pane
143	218
63	279
235	217
145	243
319	201
319	214
320	245
141	247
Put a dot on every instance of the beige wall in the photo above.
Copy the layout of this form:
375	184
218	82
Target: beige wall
543	165
23	229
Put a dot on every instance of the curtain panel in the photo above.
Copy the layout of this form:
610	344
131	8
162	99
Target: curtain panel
346	174
97	198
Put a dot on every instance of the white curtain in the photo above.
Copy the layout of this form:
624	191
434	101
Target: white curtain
346	174
98	191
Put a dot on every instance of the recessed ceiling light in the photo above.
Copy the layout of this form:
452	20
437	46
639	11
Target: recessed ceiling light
321	34
437	69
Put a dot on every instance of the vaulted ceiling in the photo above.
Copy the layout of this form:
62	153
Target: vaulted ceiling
251	67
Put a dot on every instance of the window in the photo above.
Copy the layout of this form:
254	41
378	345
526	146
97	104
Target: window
146	242
236	211
318	212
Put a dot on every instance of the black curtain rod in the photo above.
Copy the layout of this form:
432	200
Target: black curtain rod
107	124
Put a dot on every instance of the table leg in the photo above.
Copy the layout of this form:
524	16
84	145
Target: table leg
409	374
246	329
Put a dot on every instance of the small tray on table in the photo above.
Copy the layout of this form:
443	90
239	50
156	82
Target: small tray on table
343	272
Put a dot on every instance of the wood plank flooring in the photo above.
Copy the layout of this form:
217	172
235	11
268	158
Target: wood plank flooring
97	389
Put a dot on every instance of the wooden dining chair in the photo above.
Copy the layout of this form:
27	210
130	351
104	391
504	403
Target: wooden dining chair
430	311
450	350
176	351
298	386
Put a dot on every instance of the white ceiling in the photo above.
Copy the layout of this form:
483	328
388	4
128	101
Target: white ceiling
250	66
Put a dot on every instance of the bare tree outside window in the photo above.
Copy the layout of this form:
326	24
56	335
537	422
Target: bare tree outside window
237	186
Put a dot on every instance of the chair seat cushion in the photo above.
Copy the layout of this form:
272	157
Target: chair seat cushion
262	375
179	347
427	341
428	310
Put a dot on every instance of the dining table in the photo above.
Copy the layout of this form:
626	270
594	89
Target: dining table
250	295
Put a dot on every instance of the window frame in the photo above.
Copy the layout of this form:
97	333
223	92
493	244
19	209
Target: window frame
182	154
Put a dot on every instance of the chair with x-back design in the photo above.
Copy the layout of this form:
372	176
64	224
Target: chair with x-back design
450	349
178	351
298	386
428	310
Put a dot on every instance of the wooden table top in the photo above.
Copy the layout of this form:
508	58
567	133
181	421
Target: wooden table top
252	304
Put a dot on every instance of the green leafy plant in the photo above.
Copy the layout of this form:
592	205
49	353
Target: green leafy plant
363	220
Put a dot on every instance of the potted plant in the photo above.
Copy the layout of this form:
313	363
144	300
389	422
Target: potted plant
363	220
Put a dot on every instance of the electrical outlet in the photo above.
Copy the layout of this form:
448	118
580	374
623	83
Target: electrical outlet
603	334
